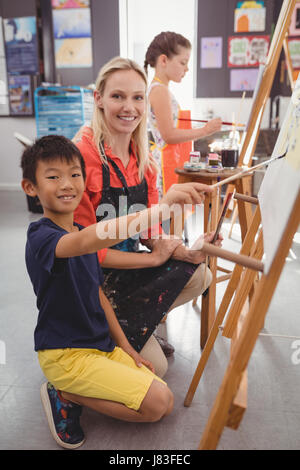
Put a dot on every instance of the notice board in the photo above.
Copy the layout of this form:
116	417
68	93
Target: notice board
216	24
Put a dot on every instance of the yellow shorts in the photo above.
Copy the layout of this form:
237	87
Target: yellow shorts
110	376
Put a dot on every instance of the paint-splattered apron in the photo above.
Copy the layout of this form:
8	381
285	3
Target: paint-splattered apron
139	297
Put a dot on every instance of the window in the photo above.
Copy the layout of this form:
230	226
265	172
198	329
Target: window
141	20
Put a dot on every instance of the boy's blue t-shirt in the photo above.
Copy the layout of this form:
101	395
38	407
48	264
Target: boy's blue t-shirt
67	290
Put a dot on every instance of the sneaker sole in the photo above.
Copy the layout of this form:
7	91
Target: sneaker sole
48	410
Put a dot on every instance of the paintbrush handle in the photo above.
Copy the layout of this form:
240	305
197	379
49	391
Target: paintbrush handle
242	173
203	120
229	179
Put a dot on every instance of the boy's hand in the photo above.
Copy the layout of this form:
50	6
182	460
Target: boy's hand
186	193
138	359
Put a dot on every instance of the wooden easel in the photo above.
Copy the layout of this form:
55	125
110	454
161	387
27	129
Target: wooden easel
249	144
262	95
288	61
246	339
211	206
230	405
248	248
279	199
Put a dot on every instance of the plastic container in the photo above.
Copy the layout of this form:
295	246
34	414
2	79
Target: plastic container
62	110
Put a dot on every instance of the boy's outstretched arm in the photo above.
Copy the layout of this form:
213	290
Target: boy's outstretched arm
108	233
117	333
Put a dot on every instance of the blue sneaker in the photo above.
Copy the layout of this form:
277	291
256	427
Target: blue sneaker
63	418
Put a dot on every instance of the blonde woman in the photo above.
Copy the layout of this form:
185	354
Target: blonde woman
120	176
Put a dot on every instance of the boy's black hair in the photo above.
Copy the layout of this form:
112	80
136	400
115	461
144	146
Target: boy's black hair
46	149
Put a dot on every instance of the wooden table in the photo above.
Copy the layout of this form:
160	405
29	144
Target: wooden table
212	210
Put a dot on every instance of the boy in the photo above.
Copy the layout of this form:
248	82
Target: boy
82	349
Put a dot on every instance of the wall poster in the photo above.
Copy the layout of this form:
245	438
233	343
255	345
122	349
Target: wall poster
243	79
253	19
21	46
247	51
72	33
70	3
20	95
294	48
211	52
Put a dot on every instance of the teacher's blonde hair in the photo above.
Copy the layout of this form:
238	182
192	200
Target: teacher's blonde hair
98	124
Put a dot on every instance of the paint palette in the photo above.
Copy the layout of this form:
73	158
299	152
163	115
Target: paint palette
194	166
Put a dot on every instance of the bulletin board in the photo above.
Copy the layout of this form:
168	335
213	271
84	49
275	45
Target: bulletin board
225	63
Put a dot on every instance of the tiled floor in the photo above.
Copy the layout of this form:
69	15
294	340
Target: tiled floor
272	420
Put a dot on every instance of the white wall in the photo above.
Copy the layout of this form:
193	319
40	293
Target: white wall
145	20
11	150
226	107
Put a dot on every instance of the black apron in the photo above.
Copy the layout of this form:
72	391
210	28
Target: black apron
140	297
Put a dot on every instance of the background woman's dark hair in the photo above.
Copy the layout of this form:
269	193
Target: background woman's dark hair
165	43
46	149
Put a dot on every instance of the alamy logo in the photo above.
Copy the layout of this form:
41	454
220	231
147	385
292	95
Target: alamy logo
120	228
2	352
296	354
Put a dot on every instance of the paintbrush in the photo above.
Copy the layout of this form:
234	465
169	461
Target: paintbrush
245	172
203	120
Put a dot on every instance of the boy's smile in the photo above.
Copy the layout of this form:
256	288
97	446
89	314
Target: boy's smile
59	187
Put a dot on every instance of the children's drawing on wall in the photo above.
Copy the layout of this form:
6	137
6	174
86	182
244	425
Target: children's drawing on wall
249	17
243	79
211	52
247	51
70	3
294	48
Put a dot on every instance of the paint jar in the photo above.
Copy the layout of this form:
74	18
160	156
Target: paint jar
230	158
213	160
195	158
229	155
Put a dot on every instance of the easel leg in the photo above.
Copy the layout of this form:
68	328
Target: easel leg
245	343
230	290
240	357
243	186
208	307
233	219
239	403
243	291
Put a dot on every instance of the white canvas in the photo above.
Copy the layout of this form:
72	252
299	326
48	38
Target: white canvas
281	183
